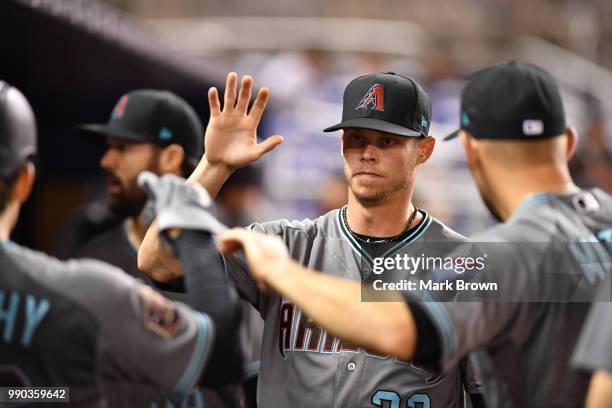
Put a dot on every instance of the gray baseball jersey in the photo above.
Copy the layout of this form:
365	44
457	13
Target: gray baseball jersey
89	326
304	366
594	349
530	342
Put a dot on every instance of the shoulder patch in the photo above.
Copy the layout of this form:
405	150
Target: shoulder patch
160	314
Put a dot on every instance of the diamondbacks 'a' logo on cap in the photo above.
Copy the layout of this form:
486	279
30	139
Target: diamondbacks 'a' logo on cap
373	99
120	107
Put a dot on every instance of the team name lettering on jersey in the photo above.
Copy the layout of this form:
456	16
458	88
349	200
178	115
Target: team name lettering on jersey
297	332
33	311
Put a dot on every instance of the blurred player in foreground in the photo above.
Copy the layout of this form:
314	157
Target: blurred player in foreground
517	146
88	325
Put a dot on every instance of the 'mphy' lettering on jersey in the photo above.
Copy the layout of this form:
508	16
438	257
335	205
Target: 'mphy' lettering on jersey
33	312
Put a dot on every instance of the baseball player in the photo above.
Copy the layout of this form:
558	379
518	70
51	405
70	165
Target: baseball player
386	119
89	326
148	130
517	147
594	350
156	131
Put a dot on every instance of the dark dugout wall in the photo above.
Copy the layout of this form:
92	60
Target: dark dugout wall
72	60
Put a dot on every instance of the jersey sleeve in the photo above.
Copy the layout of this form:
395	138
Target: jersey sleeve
145	337
594	348
238	271
464	324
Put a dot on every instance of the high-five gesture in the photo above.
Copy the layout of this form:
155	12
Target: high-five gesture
231	135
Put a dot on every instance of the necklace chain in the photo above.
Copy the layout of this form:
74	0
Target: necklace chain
378	241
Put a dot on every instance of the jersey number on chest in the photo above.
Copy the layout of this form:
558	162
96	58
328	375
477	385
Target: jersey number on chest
417	400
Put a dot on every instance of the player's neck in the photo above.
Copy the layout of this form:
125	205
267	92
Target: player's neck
8	219
5	231
534	181
384	220
135	231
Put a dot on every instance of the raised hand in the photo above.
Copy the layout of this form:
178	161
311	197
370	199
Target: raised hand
231	134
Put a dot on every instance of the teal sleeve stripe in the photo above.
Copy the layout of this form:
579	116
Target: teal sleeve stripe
205	332
224	265
442	321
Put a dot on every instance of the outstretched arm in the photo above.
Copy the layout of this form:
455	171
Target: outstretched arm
209	291
187	229
230	143
335	304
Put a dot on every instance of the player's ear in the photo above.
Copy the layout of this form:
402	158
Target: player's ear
342	142
170	159
470	145
24	183
426	147
572	141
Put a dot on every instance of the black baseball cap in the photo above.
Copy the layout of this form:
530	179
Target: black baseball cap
387	102
152	116
17	130
511	101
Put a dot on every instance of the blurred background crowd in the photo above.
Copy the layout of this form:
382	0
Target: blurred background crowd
74	58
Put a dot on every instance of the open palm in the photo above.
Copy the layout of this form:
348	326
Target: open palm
231	134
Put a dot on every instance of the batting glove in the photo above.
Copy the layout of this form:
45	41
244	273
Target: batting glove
179	205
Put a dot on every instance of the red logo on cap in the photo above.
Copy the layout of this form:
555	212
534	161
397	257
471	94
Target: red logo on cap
120	107
373	99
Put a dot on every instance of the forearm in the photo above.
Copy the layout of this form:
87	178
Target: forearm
210	177
155	260
336	305
209	291
600	390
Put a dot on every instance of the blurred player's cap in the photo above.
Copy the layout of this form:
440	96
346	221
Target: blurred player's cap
386	102
17	130
511	100
151	116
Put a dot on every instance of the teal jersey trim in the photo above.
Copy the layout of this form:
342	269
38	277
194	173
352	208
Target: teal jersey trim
438	313
533	199
200	355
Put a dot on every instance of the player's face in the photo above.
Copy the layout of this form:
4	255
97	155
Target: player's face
122	163
378	165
